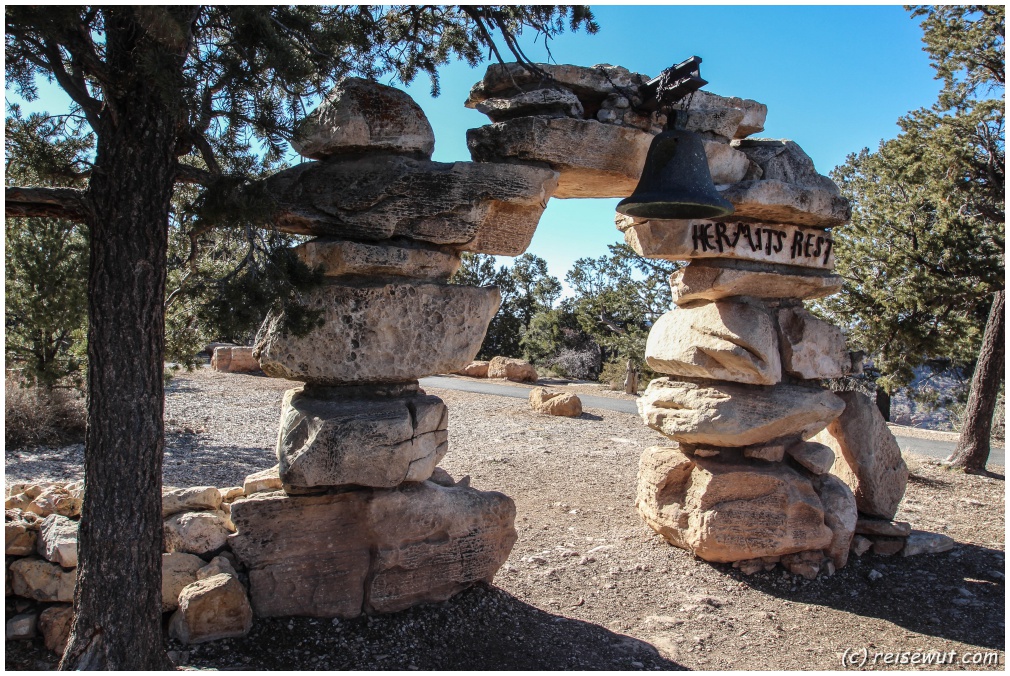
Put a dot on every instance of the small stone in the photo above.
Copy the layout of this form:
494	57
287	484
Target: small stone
703	452
210	609
55	623
887	546
196	532
921	542
22	627
264	480
771	452
860	545
815	457
550	402
517	370
40	580
875	575
806	564
177	571
177	500
58	540
870	526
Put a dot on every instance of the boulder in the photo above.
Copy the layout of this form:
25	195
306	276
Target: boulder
721	340
764	243
839	515
177	571
516	370
482	207
475	369
869	526
550	402
546	102
55	623
175	500
360	442
817	458
265	480
593	159
58	540
783	160
369	550
22	627
40	580
211	609
56	499
726	163
921	542
19	533
361	115
702	280
380	332
725	414
589	83
812	348
231	493
196	532
727	510
754	113
217	565
772	201
234	359
867	456
340	258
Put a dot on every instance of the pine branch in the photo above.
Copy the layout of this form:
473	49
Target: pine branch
45	202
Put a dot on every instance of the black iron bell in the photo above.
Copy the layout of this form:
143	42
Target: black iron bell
676	182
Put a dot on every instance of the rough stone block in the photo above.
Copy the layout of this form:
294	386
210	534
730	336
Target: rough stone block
517	370
177	570
54	624
58	540
210	609
550	402
175	500
196	532
339	258
40	580
812	348
839	515
702	280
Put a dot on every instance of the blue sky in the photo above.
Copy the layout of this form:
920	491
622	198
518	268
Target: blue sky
835	79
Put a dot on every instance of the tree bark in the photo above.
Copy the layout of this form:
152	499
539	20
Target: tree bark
972	451
117	603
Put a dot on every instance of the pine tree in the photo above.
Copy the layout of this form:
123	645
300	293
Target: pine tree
173	95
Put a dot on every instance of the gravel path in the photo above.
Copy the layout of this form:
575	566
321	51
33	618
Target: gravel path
588	585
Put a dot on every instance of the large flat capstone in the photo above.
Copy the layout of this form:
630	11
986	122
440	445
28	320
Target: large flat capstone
369	550
704	280
483	207
402	258
375	333
361	442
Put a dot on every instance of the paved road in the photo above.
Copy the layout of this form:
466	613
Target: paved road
934	449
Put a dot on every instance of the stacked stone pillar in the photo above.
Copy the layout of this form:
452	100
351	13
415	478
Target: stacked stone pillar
365	523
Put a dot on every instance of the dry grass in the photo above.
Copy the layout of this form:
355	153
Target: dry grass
36	415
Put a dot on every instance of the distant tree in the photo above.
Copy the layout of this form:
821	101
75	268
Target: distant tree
198	95
505	329
923	259
536	289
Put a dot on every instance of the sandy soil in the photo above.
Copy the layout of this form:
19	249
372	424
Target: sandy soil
588	585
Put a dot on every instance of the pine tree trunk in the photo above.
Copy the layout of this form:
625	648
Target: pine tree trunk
117	603
972	450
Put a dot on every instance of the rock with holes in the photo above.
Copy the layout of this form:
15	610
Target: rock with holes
360	115
727	414
369	550
867	456
839	515
516	370
376	442
379	332
729	508
58	540
482	207
722	340
401	258
812	348
54	625
703	280
552	402
195	498
39	580
212	608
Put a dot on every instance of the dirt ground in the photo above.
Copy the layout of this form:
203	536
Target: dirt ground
588	585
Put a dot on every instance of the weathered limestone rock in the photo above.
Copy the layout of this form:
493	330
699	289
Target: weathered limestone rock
379	442
763	243
811	348
231	493
19	534
484	207
783	160
175	500
702	280
18	501
516	370
54	624
593	159
839	515
551	402
363	115
870	526
860	545
177	571
722	340
196	532
593	83
726	163
265	480
40	580
921	542
475	369
754	113
370	550
807	564
385	332
815	457
774	451
779	202
339	257
217	566
210	609
234	359
722	122
867	457
724	414
56	500
22	627
545	102
729	510
58	540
